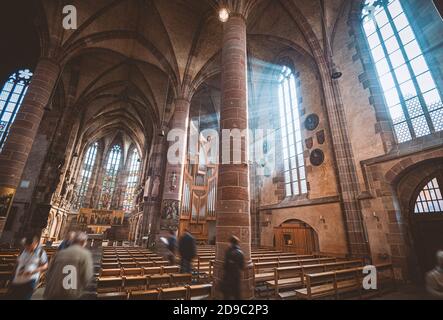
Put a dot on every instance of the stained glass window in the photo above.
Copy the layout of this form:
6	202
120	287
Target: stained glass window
134	166
410	92
294	164
88	167
110	178
11	97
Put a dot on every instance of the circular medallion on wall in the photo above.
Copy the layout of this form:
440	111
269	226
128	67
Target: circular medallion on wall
317	157
311	122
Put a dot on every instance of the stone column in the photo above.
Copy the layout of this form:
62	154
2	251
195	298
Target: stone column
173	178
23	131
233	216
153	185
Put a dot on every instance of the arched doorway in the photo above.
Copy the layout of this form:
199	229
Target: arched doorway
426	216
419	194
296	236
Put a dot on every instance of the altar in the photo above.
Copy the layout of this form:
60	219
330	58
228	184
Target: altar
99	221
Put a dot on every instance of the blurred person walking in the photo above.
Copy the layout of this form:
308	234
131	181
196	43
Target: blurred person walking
70	272
67	241
233	266
172	247
30	264
188	250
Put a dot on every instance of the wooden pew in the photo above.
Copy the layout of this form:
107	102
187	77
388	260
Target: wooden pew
159	280
334	283
109	284
282	258
292	277
176	293
199	292
180	278
111	265
170	269
135	283
132	272
110	273
113	296
264	271
144	295
320	285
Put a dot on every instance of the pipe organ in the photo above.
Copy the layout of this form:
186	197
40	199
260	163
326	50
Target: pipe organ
199	199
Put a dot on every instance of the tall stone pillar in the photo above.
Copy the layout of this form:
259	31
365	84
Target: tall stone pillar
23	131
233	216
175	166
153	187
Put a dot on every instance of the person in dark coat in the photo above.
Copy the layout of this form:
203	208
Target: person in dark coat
172	247
70	236
188	250
233	266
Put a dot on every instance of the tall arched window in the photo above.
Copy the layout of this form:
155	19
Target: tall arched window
133	170
11	97
85	176
110	178
411	94
430	199
294	163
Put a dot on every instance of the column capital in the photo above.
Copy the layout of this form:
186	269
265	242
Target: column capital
183	99
238	8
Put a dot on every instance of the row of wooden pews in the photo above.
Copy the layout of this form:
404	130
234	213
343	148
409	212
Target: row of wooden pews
339	282
280	275
187	292
316	276
284	275
140	274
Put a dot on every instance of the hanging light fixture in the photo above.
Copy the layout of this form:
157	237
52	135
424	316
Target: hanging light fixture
336	73
223	15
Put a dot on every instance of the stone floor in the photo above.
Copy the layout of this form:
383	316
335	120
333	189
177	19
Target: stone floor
406	292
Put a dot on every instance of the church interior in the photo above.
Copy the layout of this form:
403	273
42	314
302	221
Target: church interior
338	107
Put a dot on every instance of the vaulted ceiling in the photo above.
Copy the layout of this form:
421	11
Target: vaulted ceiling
126	55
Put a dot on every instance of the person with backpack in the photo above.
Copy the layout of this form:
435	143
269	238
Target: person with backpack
30	264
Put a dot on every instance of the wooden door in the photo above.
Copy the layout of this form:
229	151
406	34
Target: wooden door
298	238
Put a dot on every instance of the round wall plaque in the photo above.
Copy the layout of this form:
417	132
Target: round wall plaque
317	157
312	121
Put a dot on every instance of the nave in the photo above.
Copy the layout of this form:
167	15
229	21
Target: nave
134	273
